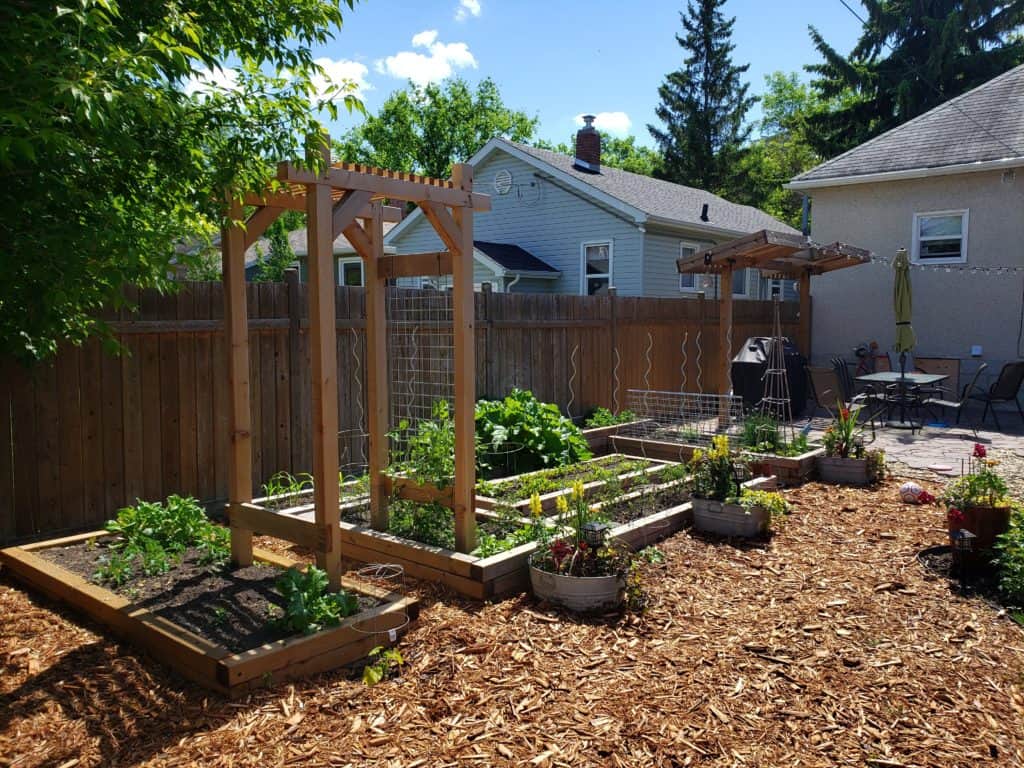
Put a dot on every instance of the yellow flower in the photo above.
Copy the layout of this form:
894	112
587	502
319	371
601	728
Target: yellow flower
720	444
698	455
561	505
536	508
577	490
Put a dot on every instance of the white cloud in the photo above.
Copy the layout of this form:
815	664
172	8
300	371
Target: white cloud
212	80
616	123
339	73
440	62
466	9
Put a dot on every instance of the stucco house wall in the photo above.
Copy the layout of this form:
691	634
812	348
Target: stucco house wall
953	309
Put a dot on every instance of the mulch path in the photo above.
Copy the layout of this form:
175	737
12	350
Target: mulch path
828	646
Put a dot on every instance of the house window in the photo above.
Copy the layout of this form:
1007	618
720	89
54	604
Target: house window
739	282
350	272
940	237
597	267
689	283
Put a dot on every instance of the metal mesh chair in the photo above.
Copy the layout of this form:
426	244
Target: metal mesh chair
965	396
1005	390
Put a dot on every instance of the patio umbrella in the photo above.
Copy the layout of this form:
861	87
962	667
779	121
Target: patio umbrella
902	300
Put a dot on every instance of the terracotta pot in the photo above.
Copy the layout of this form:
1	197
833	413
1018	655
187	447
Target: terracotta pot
986	523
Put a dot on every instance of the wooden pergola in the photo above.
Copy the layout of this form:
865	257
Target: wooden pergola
349	199
776	255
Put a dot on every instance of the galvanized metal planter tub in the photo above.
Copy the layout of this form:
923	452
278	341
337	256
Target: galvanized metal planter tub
729	519
834	469
583	594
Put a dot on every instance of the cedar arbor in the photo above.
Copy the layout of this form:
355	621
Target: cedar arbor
349	199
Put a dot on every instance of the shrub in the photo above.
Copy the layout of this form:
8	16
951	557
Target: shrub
602	417
1010	558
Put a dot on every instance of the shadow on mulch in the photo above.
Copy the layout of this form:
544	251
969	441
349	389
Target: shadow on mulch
980	580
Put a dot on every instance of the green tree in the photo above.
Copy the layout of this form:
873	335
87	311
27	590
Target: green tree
280	255
616	152
704	105
425	130
912	56
783	149
108	160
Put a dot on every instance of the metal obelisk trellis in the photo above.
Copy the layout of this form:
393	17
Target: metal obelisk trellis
775	403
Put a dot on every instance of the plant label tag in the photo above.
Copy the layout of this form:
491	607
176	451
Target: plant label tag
392	635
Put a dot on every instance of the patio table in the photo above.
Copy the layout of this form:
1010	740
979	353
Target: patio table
904	380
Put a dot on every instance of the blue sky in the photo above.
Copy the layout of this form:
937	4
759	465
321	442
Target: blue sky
558	59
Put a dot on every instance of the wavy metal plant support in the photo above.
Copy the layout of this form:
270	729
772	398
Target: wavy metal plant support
647	360
682	366
615	381
697	359
572	380
728	357
357	375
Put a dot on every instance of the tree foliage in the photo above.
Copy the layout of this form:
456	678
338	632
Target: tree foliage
912	56
426	129
108	161
280	255
704	105
616	152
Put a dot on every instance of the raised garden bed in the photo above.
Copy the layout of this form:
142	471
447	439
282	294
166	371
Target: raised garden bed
645	515
789	470
599	438
596	474
210	626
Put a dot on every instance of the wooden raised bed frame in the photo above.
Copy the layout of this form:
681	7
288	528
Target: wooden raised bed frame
195	657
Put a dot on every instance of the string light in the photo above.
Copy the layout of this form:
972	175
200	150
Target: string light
1002	269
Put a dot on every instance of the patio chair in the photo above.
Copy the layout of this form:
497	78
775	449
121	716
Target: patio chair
965	396
824	387
875	402
1005	390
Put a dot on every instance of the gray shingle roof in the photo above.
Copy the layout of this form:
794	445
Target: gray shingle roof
513	257
663	199
980	125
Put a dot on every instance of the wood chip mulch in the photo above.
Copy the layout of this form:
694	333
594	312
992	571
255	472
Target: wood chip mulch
830	646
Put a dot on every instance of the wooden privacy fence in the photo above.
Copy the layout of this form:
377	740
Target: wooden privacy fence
89	432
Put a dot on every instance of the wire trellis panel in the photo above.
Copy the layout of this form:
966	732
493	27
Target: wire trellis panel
685	418
421	351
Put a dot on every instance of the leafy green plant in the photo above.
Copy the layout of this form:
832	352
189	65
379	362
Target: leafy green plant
387	662
545	438
602	417
761	434
774	503
115	569
427	452
430	523
876	464
1010	558
286	484
606	468
843	438
309	606
713	472
980	487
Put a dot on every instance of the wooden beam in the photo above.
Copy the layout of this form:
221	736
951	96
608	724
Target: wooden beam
347	209
392	188
359	240
447	228
415	264
805	314
297	202
376	371
293	529
463	330
725	341
324	371
239	415
257	224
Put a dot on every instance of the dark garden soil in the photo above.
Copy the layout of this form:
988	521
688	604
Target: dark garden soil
650	502
229	607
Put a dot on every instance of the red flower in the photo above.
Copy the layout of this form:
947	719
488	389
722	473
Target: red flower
979	451
844	413
925	498
955	518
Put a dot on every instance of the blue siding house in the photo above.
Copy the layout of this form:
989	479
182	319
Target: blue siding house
562	224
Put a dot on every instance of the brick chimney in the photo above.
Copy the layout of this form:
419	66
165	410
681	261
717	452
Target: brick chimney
588	147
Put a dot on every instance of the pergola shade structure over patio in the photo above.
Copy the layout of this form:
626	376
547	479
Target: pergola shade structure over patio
345	199
777	255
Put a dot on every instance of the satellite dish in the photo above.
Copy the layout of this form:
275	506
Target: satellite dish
503	182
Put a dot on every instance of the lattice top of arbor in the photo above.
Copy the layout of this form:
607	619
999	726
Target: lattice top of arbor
775	255
346	199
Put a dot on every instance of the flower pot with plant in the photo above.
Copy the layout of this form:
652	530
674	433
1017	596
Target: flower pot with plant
721	504
846	460
580	568
978	502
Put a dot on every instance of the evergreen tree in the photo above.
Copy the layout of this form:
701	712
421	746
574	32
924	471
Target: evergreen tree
703	105
912	56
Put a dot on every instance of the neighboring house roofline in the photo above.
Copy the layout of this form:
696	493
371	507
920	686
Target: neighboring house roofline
909	173
690	229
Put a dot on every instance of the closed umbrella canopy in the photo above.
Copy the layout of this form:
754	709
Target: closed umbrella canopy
902	302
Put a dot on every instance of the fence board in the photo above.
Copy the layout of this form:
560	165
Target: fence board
90	432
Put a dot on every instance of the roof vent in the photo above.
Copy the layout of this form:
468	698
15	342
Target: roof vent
704	213
588	147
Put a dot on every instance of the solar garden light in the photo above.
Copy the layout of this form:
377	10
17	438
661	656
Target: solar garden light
594	533
963	548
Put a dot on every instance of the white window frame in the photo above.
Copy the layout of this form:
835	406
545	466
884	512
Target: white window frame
351	260
745	293
915	256
583	263
697	277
